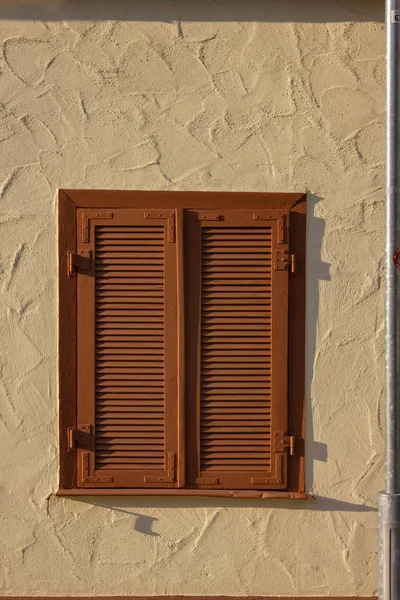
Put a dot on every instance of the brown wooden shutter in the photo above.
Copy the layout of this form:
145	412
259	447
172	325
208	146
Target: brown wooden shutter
237	339
127	348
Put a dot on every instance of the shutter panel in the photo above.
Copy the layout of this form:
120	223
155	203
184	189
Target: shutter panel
127	349
242	312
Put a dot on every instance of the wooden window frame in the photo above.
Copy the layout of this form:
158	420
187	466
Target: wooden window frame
72	200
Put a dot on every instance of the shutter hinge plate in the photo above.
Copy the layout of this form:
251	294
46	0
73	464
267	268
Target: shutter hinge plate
284	261
261	480
207	481
80	261
282	230
205	216
87	217
164	214
283	441
263	216
169	477
87	477
278	476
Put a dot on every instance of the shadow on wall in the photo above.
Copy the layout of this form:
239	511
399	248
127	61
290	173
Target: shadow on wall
316	271
307	11
148	525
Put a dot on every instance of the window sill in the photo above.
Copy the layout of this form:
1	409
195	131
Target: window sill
252	494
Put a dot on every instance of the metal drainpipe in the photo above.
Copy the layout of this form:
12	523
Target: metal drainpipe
389	500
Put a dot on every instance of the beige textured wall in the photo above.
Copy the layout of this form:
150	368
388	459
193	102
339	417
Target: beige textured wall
270	96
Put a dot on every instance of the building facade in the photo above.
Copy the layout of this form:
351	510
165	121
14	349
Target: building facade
274	96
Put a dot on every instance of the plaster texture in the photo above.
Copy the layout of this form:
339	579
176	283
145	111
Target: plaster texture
225	95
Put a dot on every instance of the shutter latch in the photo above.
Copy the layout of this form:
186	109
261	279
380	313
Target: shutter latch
80	261
79	436
283	441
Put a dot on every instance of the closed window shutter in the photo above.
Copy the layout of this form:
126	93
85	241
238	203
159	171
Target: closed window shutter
127	348
237	276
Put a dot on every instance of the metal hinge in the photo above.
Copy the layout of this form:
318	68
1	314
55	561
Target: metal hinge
80	261
284	261
283	441
170	477
87	477
164	214
79	436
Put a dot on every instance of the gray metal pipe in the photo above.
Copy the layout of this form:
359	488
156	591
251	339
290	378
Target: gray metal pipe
389	500
392	196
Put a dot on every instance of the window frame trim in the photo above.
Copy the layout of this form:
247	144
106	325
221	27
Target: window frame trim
68	203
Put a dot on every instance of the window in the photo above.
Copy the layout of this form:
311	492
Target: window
181	342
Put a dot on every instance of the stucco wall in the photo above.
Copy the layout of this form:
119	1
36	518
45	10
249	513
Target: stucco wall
269	96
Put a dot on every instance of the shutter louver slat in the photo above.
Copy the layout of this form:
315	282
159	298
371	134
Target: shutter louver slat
235	404
121	399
